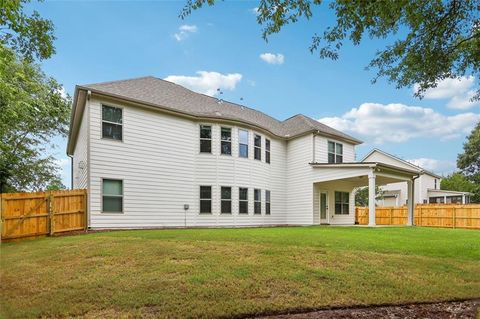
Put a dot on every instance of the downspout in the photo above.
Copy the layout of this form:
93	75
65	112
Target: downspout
71	171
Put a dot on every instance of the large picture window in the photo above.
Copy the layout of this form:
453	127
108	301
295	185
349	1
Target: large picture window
243	143
243	200
205	199
341	203
112	125
335	152
226	200
226	141
257	147
205	139
267	151
112	196
267	202
257	197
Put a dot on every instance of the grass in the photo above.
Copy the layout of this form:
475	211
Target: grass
235	272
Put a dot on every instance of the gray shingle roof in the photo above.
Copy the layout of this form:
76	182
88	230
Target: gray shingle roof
171	96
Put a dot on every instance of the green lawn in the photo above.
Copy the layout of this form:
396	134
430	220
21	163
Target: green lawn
235	272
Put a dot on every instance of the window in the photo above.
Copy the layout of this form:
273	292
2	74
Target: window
226	200
205	199
112	196
112	122
258	147
257	196
435	187
267	202
243	200
341	203
205	139
267	151
243	143
226	141
335	152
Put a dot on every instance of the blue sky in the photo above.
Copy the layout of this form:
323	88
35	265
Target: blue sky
111	40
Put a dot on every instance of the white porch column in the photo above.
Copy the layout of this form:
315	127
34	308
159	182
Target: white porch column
410	203
463	199
371	199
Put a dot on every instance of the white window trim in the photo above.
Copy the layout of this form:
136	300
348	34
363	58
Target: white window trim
109	122
268	201
231	140
239	143
243	200
200	200
259	147
257	201
334	152
102	195
200	138
226	200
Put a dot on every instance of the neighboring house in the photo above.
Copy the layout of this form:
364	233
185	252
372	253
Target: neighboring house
426	186
154	154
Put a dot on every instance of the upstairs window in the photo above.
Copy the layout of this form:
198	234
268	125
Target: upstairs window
335	153
205	139
258	147
243	200
112	196
112	122
267	151
267	202
243	143
226	200
205	199
341	203
226	141
257	197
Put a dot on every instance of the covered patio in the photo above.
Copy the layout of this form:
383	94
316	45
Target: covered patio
335	182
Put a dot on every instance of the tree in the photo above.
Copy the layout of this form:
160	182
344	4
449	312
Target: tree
458	182
361	196
32	112
434	39
29	35
469	161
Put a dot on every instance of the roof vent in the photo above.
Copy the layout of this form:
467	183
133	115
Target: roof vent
220	101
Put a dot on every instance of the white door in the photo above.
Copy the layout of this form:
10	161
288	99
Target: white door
323	198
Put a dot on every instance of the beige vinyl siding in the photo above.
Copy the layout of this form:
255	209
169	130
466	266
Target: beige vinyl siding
321	149
80	175
299	180
161	166
155	163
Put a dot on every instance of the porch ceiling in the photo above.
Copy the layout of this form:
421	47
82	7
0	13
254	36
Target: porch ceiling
356	174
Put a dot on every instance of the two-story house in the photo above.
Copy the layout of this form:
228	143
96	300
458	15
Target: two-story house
154	154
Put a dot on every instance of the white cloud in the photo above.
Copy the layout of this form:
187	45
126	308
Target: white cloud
255	11
434	165
272	58
459	91
207	82
184	31
381	123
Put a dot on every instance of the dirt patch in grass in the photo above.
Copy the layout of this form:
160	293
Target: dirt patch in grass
441	310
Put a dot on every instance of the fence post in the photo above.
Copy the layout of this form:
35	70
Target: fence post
50	214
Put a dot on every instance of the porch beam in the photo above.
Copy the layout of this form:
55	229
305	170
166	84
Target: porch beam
371	199
410	202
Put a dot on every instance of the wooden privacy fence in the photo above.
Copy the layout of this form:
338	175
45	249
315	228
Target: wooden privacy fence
428	215
42	213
